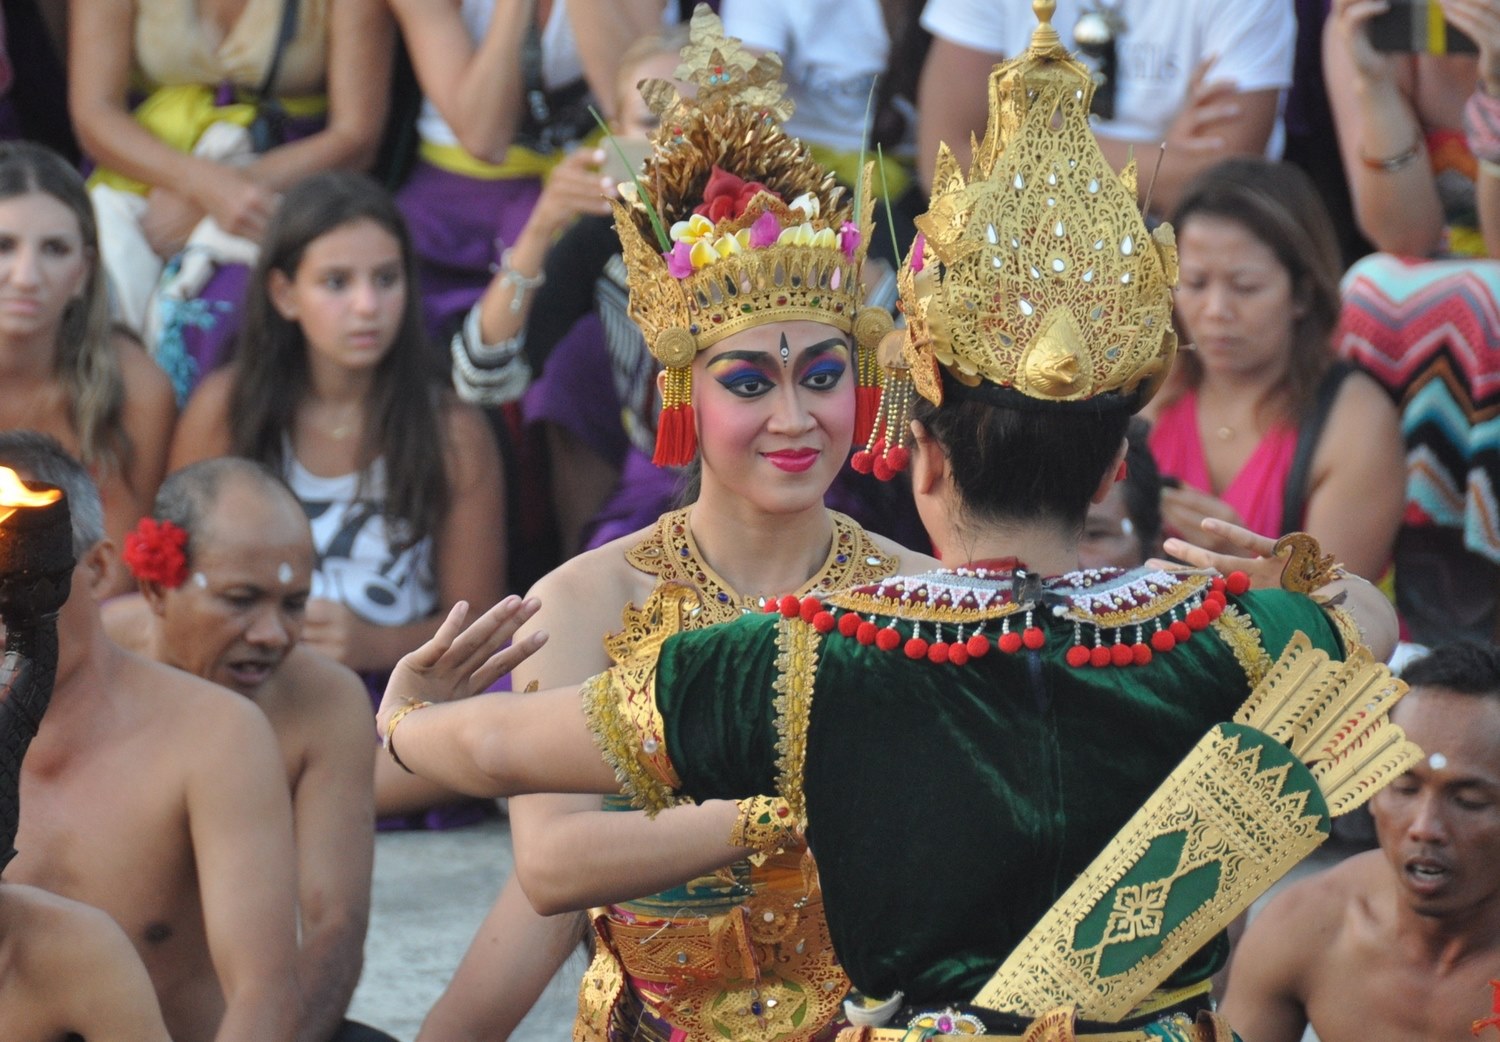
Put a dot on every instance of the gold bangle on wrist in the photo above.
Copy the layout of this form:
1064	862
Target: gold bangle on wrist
766	825
1393	163
1307	568
390	731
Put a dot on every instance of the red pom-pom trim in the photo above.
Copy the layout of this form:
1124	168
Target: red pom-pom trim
1033	637
1162	640
865	633
862	461
1099	657
848	624
938	652
1198	619
958	654
887	639
1078	656
916	647
977	646
1217	584
790	606
898	459
1237	583
1213	608
809	608
882	469
1141	653
156	551
1010	643
823	622
1182	631
1121	655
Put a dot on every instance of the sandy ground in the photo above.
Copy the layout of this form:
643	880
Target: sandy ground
431	891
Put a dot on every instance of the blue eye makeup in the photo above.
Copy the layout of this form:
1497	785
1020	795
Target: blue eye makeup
744	381
824	375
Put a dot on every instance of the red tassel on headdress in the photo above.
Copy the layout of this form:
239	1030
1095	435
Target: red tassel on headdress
677	429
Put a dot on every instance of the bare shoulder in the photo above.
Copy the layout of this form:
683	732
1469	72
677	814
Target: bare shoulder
203	429
328	695
1317	907
56	931
1361	400
184	706
146	383
597	582
127	621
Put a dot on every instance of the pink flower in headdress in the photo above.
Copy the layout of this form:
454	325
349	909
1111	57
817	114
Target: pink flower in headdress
918	248
765	230
849	239
726	196
679	260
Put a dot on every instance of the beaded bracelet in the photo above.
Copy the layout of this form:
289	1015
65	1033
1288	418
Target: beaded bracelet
520	284
1393	163
390	731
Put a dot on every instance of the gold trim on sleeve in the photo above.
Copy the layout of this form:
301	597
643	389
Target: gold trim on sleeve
796	668
1346	625
1234	628
620	706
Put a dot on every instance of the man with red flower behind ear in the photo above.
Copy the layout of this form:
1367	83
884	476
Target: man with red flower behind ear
225	566
159	799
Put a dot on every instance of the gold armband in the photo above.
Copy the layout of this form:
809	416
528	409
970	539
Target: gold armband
390	731
766	825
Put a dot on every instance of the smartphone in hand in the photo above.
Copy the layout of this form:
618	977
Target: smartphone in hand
1418	27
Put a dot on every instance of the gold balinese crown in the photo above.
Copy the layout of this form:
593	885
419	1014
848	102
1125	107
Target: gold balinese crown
1035	274
777	242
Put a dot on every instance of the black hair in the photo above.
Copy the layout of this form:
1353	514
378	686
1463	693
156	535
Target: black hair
1025	464
1142	486
1466	667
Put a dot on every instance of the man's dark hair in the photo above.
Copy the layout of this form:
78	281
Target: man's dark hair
187	497
1142	486
41	457
1466	667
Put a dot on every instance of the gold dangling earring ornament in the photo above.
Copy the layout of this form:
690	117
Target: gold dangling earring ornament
677	430
871	326
885	453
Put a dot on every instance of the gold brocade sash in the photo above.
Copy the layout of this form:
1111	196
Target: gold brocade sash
763	970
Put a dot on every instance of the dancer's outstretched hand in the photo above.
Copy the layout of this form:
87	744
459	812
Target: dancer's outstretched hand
461	660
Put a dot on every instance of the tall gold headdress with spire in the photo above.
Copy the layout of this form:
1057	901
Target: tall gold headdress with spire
1033	280
732	224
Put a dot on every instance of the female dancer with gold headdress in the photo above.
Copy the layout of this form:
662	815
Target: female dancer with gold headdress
763	383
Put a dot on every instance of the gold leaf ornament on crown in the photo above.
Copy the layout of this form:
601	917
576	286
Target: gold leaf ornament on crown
793	252
1034	274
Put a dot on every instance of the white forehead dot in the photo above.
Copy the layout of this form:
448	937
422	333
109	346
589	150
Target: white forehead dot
200	580
284	572
1437	761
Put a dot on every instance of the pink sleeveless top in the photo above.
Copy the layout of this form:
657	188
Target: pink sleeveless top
1257	491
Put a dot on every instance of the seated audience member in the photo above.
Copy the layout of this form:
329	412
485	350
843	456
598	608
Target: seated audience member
1419	133
68	972
65	371
507	91
1201	77
244	99
229	607
1257	421
1397	943
332	388
1123	530
160	799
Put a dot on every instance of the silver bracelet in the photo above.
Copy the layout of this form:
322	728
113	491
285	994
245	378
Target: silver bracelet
520	285
488	374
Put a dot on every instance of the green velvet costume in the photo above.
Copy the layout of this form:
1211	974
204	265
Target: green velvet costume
947	805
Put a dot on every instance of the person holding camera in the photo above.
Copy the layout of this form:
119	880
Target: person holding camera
1419	132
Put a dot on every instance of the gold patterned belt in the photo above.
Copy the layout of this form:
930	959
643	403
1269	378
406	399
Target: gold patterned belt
1057	1026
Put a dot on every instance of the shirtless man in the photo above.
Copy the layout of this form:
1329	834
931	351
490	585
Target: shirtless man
68	972
160	799
1397	943
236	620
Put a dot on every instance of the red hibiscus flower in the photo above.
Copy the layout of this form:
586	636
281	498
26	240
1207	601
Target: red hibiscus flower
156	551
726	196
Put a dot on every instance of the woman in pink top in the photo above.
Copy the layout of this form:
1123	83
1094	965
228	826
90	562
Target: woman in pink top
1258	297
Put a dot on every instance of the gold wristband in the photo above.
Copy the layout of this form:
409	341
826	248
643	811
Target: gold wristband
390	731
766	825
1307	568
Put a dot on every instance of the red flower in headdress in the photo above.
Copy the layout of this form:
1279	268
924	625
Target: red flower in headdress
726	196
156	551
